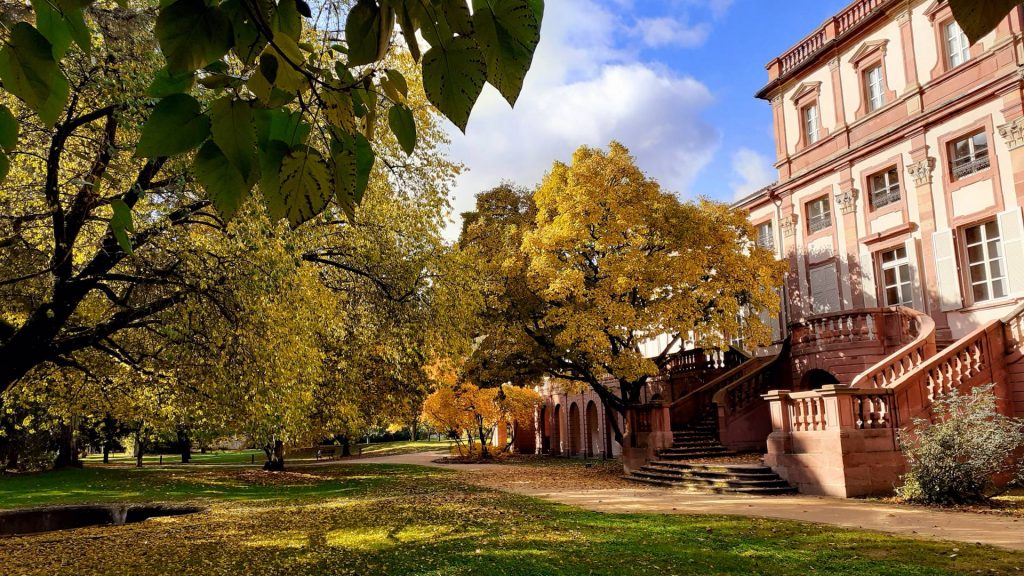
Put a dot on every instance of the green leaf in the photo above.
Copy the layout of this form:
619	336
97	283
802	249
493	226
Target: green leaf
305	185
271	155
234	133
280	125
352	159
121	224
51	24
224	185
453	77
363	33
977	19
508	32
403	125
5	166
287	20
396	79
192	35
164	83
456	12
8	129
176	126
29	71
248	42
302	8
408	25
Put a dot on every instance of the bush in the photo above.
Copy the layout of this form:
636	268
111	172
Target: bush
957	458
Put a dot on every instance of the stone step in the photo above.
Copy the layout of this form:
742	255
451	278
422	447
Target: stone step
668	468
720	468
759	491
682	451
706	483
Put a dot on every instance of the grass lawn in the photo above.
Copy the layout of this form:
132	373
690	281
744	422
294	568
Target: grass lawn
257	456
370	519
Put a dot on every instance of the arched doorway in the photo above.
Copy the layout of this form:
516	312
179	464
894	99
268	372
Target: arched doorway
574	429
593	430
556	436
816	378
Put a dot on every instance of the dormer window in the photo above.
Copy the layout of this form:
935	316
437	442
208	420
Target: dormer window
875	88
811	123
958	49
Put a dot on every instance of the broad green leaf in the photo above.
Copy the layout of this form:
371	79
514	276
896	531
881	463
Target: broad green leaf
248	42
121	224
176	125
5	166
192	35
367	32
456	12
271	155
508	32
8	129
234	133
365	158
396	79
352	162
224	185
164	83
287	20
280	125
338	107
344	171
285	77
303	9
305	185
431	22
453	77
408	25
403	125
51	24
977	19
29	71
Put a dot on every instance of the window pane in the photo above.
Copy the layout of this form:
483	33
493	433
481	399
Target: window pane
975	254
890	276
980	292
998	289
995	268
973	235
980	141
992	229
892	297
978	272
901	253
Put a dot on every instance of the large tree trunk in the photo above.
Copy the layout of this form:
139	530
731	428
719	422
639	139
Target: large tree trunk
346	446
184	445
484	453
275	456
67	452
139	448
106	452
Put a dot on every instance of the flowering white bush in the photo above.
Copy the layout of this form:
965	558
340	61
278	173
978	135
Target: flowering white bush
956	458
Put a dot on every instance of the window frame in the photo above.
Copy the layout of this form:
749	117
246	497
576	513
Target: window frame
939	15
964	45
760	238
976	164
875	88
898	264
889	188
967	278
869	57
824	201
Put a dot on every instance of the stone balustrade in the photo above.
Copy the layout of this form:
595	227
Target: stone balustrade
839	328
842	23
906	359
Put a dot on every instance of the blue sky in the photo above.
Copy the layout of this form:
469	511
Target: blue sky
673	80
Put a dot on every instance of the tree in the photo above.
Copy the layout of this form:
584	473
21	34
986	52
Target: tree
979	18
264	77
610	262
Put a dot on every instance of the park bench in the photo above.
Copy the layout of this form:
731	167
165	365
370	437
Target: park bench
327	452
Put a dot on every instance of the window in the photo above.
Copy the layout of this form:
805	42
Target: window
875	88
958	49
885	188
968	155
811	124
895	268
985	259
765	236
819	215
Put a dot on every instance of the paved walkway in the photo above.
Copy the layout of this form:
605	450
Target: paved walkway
912	521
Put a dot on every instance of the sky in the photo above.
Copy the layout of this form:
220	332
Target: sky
673	80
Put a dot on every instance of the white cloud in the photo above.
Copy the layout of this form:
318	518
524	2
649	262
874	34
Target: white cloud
586	88
751	172
667	31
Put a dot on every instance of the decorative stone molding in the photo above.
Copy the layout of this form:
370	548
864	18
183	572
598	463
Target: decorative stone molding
833	64
777	100
847	200
1013	133
788	225
921	171
903	16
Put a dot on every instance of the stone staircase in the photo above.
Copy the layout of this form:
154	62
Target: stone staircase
698	441
715	478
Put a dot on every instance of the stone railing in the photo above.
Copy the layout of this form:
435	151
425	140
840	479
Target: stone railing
743	418
1013	332
833	408
842	23
842	328
694	405
917	333
700	359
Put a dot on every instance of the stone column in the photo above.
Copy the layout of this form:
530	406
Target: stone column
920	174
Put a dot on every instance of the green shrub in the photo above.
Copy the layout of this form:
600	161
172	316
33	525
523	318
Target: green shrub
957	458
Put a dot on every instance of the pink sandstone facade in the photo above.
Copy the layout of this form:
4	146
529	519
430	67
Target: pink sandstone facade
900	151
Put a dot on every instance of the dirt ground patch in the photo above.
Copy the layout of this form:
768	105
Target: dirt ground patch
519	477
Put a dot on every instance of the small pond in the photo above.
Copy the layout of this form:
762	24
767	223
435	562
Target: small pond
48	518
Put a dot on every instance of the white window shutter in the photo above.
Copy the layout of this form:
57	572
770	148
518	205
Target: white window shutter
947	277
867	280
915	278
1011	229
825	289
